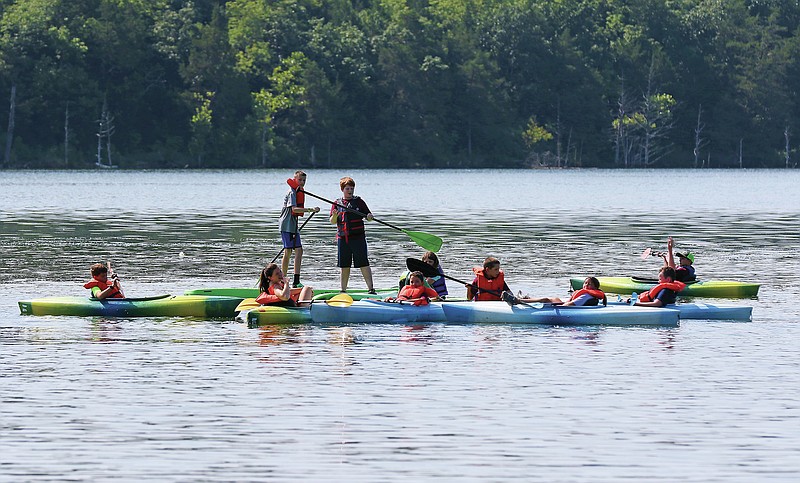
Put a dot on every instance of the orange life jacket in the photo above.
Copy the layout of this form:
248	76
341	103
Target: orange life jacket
598	294
484	284
651	294
410	292
269	297
102	286
300	195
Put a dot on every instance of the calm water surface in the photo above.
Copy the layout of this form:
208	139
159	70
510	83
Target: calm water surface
165	399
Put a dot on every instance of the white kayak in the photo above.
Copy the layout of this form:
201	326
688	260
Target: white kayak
373	311
502	313
703	311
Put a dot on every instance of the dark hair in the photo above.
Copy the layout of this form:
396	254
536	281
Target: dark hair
417	274
668	272
98	268
263	280
347	180
431	256
300	172
593	282
491	262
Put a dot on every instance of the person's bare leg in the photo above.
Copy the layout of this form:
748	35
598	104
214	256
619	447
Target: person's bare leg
345	277
287	254
367	272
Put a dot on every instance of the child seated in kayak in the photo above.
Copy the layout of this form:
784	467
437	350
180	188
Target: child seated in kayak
276	289
489	282
100	286
590	294
415	291
437	282
662	294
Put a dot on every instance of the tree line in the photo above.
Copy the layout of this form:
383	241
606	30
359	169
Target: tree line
399	83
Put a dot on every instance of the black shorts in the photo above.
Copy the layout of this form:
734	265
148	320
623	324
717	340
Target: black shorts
352	253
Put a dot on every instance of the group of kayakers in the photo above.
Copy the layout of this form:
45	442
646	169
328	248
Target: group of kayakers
348	214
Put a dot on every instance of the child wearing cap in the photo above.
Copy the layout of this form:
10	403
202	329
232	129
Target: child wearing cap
684	271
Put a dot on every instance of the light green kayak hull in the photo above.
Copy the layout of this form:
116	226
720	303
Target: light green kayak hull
708	288
159	306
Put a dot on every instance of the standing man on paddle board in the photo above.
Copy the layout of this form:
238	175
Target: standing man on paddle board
350	236
293	208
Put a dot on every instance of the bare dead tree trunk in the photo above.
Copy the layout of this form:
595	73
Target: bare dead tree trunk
699	142
313	155
12	107
786	149
741	141
569	148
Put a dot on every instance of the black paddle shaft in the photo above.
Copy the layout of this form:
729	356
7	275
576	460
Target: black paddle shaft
362	215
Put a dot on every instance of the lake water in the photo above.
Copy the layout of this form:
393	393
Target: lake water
171	399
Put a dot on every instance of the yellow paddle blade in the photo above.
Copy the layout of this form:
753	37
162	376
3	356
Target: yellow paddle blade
247	304
340	300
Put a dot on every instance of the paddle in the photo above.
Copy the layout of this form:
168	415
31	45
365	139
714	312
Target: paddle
430	271
339	300
113	275
648	252
425	240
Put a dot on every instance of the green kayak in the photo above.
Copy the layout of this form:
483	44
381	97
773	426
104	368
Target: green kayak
253	292
703	288
272	315
158	306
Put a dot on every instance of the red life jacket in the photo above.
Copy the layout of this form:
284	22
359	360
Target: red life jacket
598	294
269	297
484	284
299	195
410	292
651	294
102	286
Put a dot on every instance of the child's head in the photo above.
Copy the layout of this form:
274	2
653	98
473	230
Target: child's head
431	259
685	258
592	283
268	275
416	279
491	267
347	181
666	274
98	269
300	177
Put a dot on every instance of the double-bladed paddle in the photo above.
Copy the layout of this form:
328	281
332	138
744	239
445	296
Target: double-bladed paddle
430	271
425	240
338	300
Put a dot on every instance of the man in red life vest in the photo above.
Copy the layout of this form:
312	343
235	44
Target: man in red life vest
100	286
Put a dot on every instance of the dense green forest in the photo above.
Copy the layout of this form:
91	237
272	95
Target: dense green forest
399	83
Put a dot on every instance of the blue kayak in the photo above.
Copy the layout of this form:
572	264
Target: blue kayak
502	313
374	311
704	311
